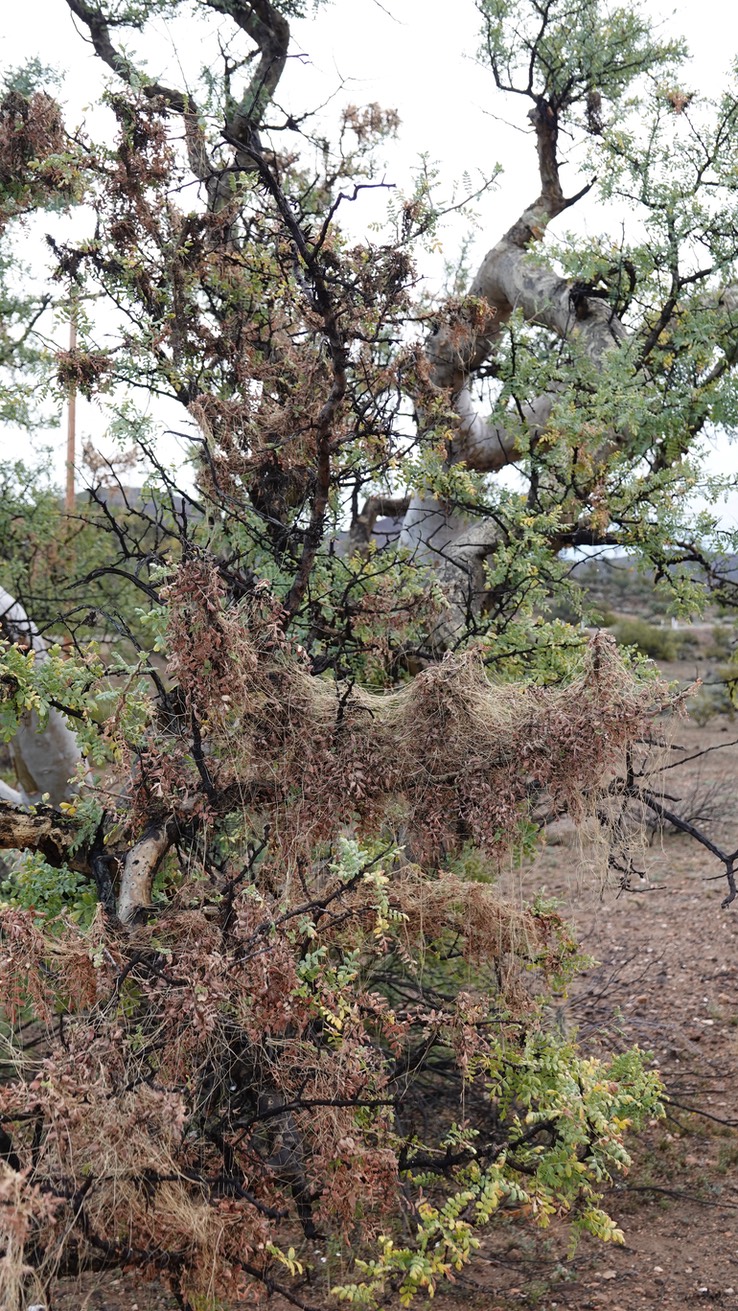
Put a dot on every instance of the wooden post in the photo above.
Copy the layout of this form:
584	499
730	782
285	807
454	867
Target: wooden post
71	415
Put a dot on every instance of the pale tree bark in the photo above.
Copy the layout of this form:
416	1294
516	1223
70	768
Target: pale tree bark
139	871
7	793
507	280
364	521
45	759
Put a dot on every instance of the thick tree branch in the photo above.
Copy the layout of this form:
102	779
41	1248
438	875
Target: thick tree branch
362	526
271	33
485	446
10	794
506	280
140	868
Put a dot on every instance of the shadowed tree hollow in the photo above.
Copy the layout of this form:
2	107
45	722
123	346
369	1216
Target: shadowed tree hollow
277	721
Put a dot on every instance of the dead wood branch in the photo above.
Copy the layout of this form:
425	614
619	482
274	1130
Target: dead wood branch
139	870
42	829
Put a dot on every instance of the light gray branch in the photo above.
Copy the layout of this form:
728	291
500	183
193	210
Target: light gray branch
485	446
507	280
362	526
139	871
45	759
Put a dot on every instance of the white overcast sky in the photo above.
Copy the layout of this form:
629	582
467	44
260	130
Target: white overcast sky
417	56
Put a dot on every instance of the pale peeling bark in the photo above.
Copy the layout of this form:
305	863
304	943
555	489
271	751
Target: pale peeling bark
428	530
507	280
45	759
455	548
485	446
51	833
481	444
139	871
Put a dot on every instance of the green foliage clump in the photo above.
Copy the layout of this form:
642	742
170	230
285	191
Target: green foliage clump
584	1105
48	891
656	643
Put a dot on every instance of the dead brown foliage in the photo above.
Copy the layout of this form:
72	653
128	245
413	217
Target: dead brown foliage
450	756
32	142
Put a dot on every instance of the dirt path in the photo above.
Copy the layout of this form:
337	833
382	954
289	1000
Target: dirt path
667	979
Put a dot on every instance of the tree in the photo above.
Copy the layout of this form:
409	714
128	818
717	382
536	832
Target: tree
293	1002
